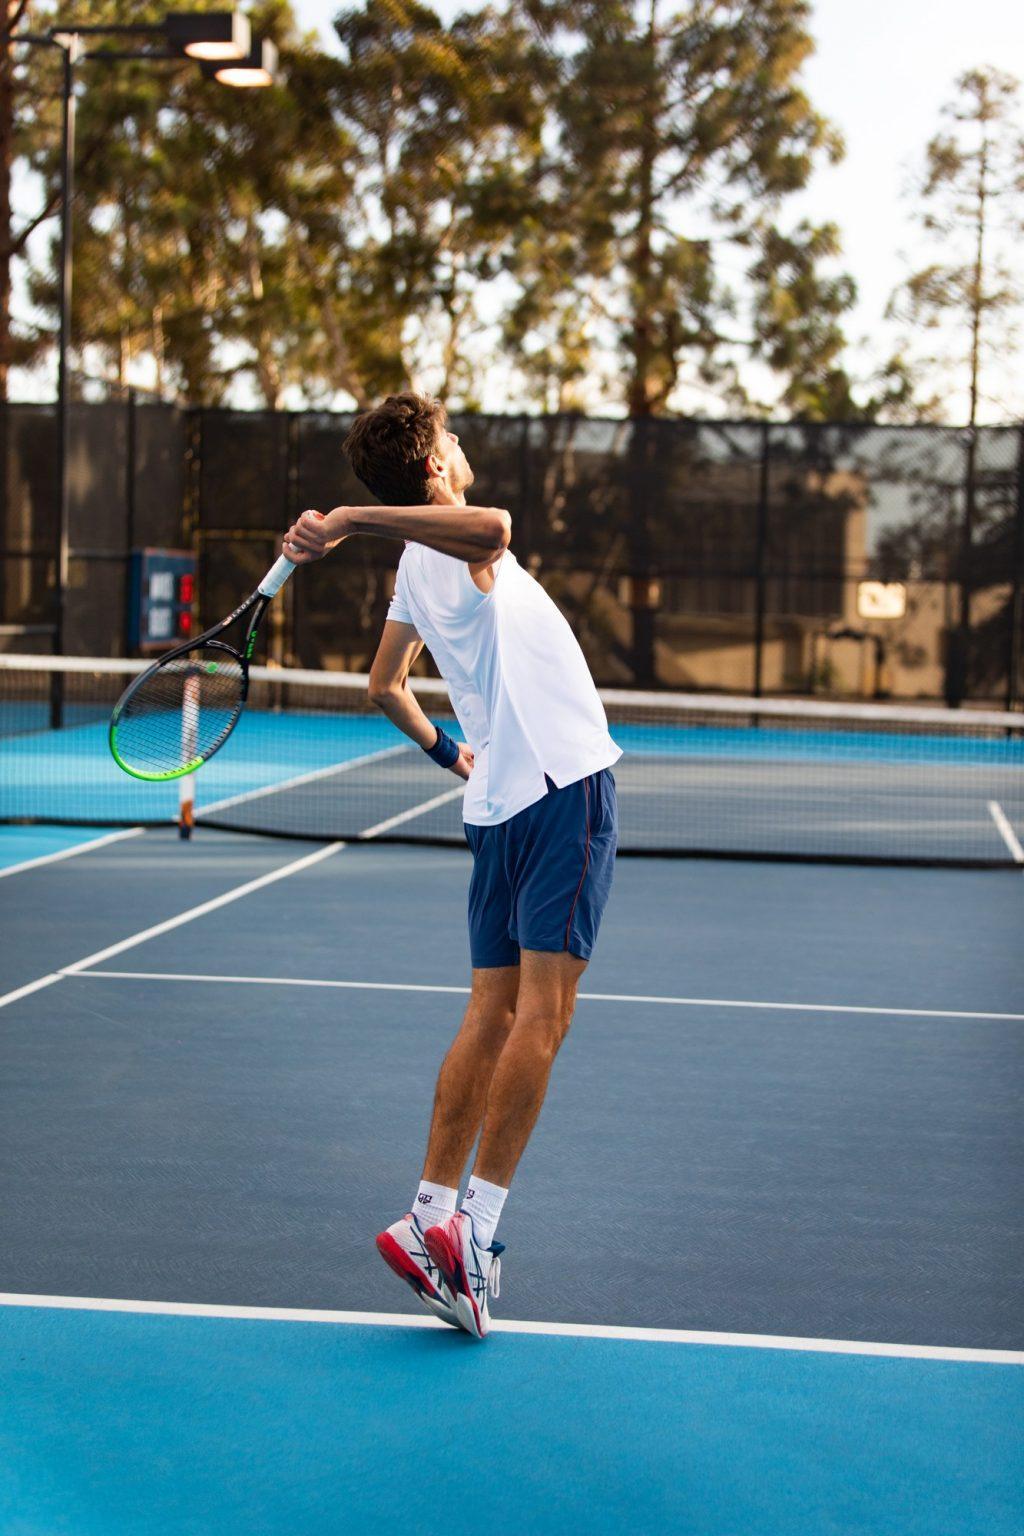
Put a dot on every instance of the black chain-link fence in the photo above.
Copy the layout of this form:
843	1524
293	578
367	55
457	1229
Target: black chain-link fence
126	489
742	557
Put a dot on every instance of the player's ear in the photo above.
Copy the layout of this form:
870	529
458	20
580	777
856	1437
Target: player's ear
433	466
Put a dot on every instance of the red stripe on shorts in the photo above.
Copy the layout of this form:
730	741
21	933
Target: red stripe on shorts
586	865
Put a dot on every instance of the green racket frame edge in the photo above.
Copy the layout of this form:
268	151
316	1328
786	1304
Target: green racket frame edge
155	778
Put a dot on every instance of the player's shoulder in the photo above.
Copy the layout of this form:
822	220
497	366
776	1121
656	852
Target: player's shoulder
409	562
418	560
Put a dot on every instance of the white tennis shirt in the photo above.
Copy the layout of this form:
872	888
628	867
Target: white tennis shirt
518	681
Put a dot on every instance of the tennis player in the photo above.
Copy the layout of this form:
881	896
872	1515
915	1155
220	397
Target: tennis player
539	809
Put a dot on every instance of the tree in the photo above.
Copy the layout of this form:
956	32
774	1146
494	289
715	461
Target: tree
332	232
972	206
447	120
210	231
796	313
29	114
677	139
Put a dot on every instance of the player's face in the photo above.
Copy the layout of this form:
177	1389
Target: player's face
460	476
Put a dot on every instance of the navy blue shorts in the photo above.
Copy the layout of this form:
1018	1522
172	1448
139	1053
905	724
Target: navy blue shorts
541	879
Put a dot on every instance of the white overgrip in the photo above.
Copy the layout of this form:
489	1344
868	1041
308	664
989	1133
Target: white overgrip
276	577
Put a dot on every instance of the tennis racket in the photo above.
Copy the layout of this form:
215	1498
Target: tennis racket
182	710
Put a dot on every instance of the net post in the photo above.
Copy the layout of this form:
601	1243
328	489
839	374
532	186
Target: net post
186	808
189	741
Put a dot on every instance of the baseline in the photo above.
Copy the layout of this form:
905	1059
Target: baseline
510	1325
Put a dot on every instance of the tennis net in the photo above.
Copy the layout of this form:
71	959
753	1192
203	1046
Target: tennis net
700	775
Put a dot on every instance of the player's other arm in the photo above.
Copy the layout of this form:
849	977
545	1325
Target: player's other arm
390	691
478	535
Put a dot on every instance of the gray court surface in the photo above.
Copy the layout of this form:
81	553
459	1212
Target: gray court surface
703	1161
900	811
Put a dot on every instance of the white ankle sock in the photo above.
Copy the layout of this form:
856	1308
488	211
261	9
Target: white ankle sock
434	1203
483	1203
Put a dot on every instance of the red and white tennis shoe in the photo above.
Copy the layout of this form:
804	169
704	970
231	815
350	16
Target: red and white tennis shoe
402	1248
470	1272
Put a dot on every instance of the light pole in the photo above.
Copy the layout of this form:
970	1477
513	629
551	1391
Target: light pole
221	43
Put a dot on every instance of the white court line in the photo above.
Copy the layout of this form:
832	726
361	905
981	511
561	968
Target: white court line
69	853
79	972
417	810
1006	831
504	1325
302	778
173	922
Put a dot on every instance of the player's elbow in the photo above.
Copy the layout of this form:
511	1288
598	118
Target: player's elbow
496	532
502	529
381	690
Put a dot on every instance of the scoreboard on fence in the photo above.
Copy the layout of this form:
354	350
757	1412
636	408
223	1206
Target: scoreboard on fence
161	597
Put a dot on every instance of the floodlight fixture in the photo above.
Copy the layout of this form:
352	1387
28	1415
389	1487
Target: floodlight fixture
216	36
257	69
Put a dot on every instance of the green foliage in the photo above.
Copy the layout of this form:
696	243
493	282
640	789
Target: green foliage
332	232
971	208
209	222
446	121
797	320
599	184
676	137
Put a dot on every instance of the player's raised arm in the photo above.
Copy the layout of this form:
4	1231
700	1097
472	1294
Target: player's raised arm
474	534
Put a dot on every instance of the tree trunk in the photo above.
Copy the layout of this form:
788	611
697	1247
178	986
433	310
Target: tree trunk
12	11
977	286
158	349
640	393
639	396
958	682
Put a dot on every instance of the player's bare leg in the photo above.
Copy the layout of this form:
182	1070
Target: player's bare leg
544	1009
462	1247
459	1101
465	1076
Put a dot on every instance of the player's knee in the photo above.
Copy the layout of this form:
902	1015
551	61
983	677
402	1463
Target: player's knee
544	1028
496	1024
490	1016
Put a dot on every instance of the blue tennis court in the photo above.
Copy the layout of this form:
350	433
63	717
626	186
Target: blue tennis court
763	1251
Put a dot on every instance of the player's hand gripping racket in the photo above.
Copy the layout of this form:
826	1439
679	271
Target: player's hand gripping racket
182	710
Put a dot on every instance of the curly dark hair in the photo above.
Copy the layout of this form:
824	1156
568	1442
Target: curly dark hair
388	447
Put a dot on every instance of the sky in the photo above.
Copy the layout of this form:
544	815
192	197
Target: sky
881	72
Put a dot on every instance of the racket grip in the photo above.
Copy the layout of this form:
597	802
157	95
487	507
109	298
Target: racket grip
276	577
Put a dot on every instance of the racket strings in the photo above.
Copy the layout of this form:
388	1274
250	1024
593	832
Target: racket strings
180	713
